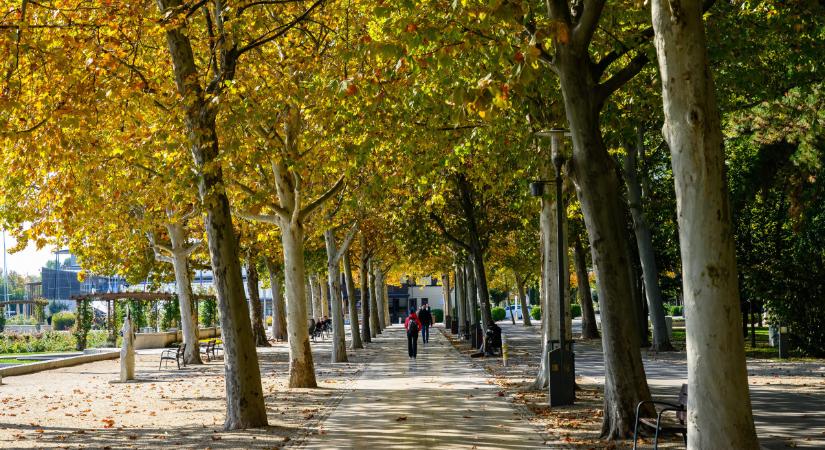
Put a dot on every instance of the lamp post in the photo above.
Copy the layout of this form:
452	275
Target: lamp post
562	376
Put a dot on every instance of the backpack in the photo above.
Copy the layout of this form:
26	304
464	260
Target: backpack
412	328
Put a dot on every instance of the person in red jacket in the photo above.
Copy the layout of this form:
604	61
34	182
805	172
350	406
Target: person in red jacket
413	325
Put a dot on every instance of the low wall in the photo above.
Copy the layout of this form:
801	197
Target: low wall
26	329
165	339
57	363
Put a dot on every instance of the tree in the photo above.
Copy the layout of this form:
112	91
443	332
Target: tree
717	414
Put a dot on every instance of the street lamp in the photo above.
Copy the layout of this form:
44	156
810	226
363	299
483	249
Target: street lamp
562	380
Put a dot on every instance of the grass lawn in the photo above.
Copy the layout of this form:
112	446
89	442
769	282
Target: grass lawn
762	350
17	361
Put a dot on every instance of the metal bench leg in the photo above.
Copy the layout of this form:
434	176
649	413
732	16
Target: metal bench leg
636	427
656	436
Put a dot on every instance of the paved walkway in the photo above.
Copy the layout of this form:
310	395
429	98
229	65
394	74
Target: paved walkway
784	416
437	401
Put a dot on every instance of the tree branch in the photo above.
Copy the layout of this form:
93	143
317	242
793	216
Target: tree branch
279	31
309	209
347	241
267	218
583	31
440	224
621	77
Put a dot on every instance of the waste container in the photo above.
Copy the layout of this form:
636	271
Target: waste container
562	375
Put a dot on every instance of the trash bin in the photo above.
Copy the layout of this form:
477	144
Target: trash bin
562	376
454	326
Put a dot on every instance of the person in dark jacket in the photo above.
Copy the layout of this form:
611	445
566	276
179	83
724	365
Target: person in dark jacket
412	325
426	318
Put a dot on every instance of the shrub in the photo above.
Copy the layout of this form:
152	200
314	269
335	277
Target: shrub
22	320
498	313
208	313
269	321
438	315
674	310
63	320
535	313
575	310
50	341
170	315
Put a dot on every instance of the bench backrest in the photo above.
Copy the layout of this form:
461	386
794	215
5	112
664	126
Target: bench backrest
180	351
683	393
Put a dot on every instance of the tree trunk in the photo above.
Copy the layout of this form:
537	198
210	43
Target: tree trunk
385	297
375	328
325	296
301	366
522	298
547	233
598	191
339	344
661	338
363	275
634	272
255	307
355	330
459	299
378	288
476	250
445	292
472	294
244	395
719	407
189	322
278	305
315	287
589	328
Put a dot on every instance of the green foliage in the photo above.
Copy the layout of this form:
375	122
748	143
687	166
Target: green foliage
50	341
498	313
438	314
535	313
2	319
674	310
83	323
63	321
56	307
138	309
170	314
22	320
575	310
208	312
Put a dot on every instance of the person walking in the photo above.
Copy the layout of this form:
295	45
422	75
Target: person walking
426	318
412	324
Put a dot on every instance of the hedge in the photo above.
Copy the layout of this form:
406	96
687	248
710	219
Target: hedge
438	315
535	313
498	313
575	310
63	320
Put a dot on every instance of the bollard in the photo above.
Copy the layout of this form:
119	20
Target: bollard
504	349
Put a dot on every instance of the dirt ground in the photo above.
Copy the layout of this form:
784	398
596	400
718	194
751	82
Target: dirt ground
78	407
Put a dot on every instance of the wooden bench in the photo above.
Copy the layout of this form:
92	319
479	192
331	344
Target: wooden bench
173	354
208	349
668	426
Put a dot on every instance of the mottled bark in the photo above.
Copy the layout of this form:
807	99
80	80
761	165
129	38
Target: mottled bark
644	243
598	190
522	298
244	394
719	407
255	308
278	329
375	326
363	275
445	293
460	302
590	329
354	328
179	256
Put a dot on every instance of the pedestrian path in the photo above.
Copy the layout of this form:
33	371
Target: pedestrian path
439	400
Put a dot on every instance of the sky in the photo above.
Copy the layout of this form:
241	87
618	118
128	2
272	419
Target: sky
29	260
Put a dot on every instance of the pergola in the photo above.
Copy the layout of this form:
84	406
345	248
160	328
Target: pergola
36	302
111	297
